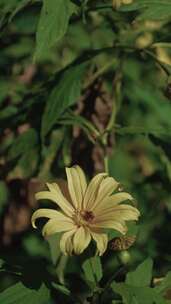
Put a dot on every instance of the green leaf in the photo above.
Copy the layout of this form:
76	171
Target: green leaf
77	120
52	25
8	112
164	142
23	143
54	241
132	130
137	295
63	95
123	290
165	284
149	9
9	6
22	4
26	165
62	289
19	294
142	275
49	153
25	151
93	269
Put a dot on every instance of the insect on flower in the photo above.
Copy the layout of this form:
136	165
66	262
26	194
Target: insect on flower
91	209
122	243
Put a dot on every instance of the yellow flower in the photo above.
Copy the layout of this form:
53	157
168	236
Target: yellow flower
91	209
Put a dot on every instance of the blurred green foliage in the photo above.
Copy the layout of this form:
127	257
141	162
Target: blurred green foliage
82	80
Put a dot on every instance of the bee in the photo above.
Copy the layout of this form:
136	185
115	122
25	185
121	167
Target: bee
122	243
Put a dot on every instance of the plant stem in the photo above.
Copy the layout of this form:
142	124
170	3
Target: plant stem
160	63
112	118
113	277
111	122
106	164
100	72
100	7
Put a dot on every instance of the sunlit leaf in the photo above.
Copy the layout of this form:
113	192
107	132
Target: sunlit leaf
52	25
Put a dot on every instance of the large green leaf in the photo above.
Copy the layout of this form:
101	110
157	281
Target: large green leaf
52	25
63	95
150	9
142	275
136	288
19	294
137	295
93	269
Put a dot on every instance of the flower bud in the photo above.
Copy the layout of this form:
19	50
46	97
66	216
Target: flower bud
124	257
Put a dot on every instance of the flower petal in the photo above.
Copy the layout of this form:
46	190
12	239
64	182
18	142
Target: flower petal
57	197
53	226
66	243
122	212
77	185
81	240
48	213
92	190
107	186
101	240
112	201
112	224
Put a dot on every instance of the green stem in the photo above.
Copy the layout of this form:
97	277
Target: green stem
100	7
106	164
107	286
161	64
100	72
112	118
72	119
111	122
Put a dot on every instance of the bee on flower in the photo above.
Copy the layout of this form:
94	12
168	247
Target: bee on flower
90	210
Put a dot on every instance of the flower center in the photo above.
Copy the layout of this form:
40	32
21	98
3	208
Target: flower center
83	218
88	216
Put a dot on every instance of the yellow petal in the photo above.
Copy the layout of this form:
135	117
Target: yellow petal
112	201
77	185
123	212
107	187
101	240
57	197
53	226
66	242
81	240
48	213
112	224
92	190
